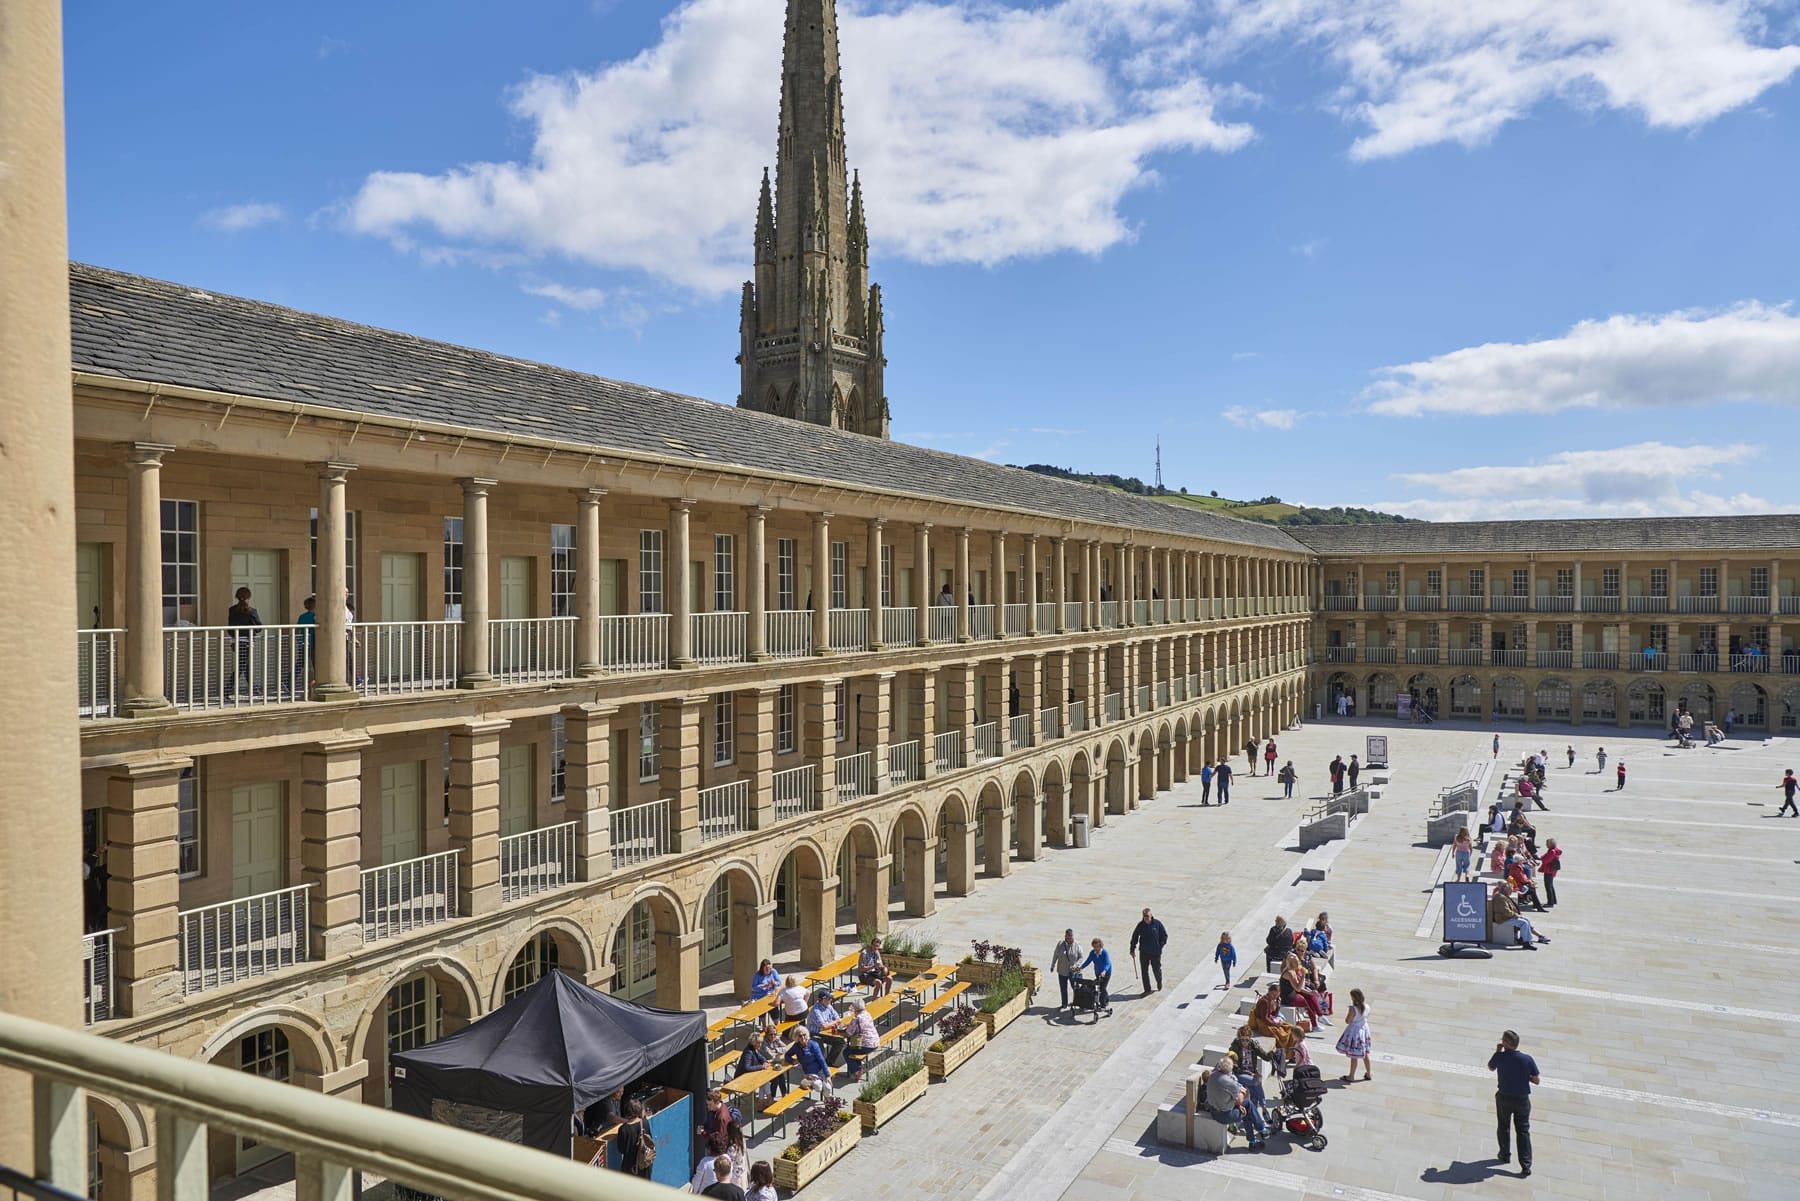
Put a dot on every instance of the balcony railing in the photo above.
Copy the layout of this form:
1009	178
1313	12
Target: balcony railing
1598	602
1374	600
1750	663
1140	612
531	648
1647	604
719	637
1338	602
1509	601
1697	604
1464	656
634	642
1162	694
981	621
987	740
849	629
1422	602
855	776
1465	604
1549	602
1018	731
97	977
1159	610
1790	664
1179	689
900	627
1072	616
640	833
1340	654
1049	723
795	789
1015	617
943	623
1645	661
905	763
724	810
409	895
97	671
1790	604
235	940
391	658
1046	617
1077	717
946	751
233	667
1143	698
1600	660
1114	703
789	632
1747	604
1109	615
1193	685
1380	654
1700	662
535	861
1506	658
1559	660
1422	654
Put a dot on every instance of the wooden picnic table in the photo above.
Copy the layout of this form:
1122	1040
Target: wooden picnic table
933	977
751	1011
748	1084
836	968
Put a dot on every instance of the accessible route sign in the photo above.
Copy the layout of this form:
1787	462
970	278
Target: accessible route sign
1466	913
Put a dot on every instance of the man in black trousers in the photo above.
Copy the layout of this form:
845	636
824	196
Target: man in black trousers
1148	938
1514	1074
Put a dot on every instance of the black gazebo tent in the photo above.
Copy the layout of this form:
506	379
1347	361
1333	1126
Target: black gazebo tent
523	1071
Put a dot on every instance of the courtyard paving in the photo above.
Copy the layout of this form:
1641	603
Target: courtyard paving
1664	1015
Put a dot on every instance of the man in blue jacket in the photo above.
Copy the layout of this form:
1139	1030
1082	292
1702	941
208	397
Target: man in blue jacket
1148	938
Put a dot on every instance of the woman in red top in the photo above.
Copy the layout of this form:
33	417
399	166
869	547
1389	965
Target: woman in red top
1549	864
1269	756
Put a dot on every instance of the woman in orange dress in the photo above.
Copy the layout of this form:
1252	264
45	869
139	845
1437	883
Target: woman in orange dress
1266	1020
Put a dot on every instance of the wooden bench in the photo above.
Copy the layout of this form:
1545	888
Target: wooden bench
898	1032
938	1003
718	1066
834	969
779	1107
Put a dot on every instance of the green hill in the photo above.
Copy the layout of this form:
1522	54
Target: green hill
1270	509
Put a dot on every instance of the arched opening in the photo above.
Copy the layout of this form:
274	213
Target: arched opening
868	869
1509	696
1790	708
956	846
1146	768
728	923
1027	817
1749	706
423	1004
1115	778
993	839
550	949
915	862
1424	691
1553	699
1465	696
1599	701
1647	702
267	1052
1341	686
804	903
1056	806
634	954
1696	698
1384	694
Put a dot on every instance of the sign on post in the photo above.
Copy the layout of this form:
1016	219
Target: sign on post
1466	913
1375	751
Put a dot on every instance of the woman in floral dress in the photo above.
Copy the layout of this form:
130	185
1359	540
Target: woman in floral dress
1355	1042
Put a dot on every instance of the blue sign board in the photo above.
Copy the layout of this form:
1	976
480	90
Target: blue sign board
1466	912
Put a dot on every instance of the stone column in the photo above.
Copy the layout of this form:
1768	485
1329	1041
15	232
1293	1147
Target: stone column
997	581
1090	553
920	884
872	724
587	783
877	635
996	685
475	812
821	528
962	584
923	717
1059	678
331	651
331	842
1060	553
818	921
474	630
818	700
874	876
1028	673
1212	584
752	941
144	891
144	688
1123	586
960	871
997	839
678	969
677	592
756	550
756	749
587	583
962	707
1028	586
678	760
924	587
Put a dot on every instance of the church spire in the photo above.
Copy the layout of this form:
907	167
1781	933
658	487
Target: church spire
805	350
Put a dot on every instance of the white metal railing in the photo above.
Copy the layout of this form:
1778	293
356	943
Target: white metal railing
634	642
409	895
1747	604
946	751
1193	685
1109	614
1015	618
531	648
900	627
229	667
1115	706
1072	616
388	658
981	621
535	861
235	940
1077	717
794	791
97	976
1018	731
1143	698
855	776
719	637
639	832
1049	723
1159	610
789	633
942	622
987	740
849	629
1046	617
97	671
905	762
1140	612
1179	688
1162	694
724	810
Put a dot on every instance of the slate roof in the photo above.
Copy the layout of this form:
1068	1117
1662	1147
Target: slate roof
1684	534
149	330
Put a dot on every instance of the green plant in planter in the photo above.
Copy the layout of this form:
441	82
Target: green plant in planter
910	944
1010	984
952	1026
891	1075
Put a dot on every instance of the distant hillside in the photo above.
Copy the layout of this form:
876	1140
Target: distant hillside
1269	509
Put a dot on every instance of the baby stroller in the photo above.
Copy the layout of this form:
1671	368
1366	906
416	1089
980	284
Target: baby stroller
1297	1112
1086	995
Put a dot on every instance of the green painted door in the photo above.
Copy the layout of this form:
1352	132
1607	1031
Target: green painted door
516	802
402	812
258	839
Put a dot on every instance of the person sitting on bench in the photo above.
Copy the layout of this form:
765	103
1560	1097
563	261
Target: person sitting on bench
871	971
1226	1098
1503	914
861	1039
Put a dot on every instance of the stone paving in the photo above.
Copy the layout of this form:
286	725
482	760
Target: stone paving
1663	1016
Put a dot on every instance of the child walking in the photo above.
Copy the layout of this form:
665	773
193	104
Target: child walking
1226	956
1355	1043
1464	850
1621	787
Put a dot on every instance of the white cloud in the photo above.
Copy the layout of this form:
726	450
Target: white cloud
235	218
1649	479
983	133
1274	419
1421	72
1309	248
584	299
1748	352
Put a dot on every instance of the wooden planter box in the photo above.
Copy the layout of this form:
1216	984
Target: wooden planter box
983	975
942	1063
909	1090
905	967
797	1173
997	1021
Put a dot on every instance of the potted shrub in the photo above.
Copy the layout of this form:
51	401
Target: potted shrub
960	1035
1005	1001
907	953
986	960
890	1088
827	1132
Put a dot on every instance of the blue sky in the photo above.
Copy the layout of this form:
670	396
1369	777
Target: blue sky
1535	259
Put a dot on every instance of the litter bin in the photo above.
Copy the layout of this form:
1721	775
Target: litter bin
1081	830
1318	712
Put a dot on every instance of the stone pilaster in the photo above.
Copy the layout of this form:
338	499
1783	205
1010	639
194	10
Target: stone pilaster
144	891
678	969
756	592
475	813
756	749
923	717
874	874
818	703
587	782
818	921
331	842
678	749
962	706
873	718
959	874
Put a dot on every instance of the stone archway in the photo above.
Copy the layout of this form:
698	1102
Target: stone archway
1057	814
1599	701
1115	777
557	945
1027	816
1646	701
280	1045
1697	698
1465	696
1178	752
424	1000
734	922
913	847
1146	767
1749	705
872	871
995	812
806	900
956	845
